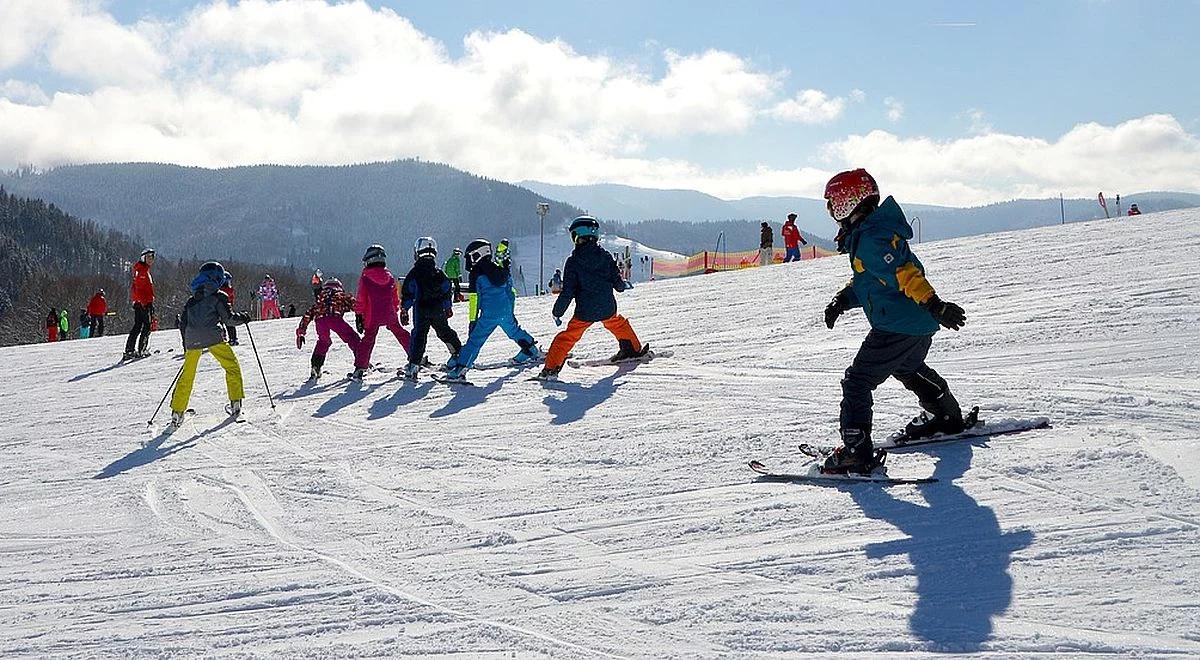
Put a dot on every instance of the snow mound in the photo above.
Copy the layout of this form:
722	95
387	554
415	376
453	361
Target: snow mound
612	514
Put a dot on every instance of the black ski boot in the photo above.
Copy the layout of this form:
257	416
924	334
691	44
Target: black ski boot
927	424
626	351
548	375
855	455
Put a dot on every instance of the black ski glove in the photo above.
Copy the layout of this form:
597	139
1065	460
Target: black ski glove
835	308
358	323
947	313
244	317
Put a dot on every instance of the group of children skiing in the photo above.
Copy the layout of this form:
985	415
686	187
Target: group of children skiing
888	283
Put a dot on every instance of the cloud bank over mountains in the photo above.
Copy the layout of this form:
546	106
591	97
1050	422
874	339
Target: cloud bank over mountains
306	81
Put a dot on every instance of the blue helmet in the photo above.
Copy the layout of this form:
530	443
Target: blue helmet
585	227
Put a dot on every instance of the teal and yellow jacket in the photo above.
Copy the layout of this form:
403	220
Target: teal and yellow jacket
889	281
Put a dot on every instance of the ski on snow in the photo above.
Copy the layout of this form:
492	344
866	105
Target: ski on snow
814	475
980	428
446	380
650	355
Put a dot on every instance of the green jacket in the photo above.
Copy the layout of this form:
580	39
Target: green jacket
453	267
889	281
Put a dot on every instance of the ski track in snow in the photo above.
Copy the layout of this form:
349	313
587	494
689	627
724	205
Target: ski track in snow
612	514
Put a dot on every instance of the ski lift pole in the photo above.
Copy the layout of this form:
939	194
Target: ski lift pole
164	399
260	367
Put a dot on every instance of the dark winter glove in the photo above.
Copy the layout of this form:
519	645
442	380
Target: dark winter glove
628	284
803	242
404	317
947	313
244	317
835	308
299	339
449	312
358	323
558	320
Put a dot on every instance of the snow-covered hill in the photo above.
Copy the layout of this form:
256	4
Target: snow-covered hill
613	515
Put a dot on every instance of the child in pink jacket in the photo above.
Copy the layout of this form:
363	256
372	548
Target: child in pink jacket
376	306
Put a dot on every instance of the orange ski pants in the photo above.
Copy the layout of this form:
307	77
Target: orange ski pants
564	341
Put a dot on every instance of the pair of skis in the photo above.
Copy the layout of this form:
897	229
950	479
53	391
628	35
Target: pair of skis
897	441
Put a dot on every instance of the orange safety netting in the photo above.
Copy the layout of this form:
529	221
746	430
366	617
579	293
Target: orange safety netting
710	262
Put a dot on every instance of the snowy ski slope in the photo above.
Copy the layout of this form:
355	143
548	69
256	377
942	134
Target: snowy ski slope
612	515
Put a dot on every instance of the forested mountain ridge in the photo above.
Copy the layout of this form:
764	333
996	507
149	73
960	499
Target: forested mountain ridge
305	216
52	259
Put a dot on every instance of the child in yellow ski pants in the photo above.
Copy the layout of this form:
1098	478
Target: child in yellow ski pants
191	358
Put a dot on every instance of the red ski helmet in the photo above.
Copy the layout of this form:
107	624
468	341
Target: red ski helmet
846	190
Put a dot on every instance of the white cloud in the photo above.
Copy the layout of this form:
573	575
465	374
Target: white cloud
979	124
27	24
304	81
1148	153
23	92
301	81
895	109
810	106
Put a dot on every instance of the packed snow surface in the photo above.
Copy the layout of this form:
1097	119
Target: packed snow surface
613	514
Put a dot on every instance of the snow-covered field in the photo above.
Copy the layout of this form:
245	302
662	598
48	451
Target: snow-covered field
612	514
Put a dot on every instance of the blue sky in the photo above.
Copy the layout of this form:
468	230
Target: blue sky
1014	79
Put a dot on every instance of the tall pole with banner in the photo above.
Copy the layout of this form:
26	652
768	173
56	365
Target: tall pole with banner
1104	205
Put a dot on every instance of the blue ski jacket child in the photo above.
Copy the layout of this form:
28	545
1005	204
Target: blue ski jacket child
889	281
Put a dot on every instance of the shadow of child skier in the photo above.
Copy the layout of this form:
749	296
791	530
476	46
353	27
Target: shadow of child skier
580	399
404	395
469	396
154	450
353	393
958	553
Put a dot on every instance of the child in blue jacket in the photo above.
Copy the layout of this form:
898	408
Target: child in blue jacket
492	299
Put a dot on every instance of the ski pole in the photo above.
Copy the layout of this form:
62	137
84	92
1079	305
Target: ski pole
260	367
164	399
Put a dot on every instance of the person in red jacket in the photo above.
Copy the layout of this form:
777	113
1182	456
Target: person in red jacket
96	309
141	294
52	325
1134	210
792	240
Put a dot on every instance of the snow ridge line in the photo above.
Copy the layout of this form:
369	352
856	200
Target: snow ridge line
279	535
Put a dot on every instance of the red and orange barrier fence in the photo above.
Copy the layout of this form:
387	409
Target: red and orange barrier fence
710	262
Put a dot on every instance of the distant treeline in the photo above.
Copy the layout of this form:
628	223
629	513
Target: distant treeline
306	216
52	259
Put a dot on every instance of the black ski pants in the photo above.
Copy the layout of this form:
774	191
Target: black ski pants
887	354
96	326
422	322
139	335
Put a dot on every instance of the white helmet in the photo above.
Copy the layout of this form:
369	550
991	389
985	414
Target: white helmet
424	247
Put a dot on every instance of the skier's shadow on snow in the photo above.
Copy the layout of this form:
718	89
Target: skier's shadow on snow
582	398
406	394
97	372
354	393
958	552
469	396
154	450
